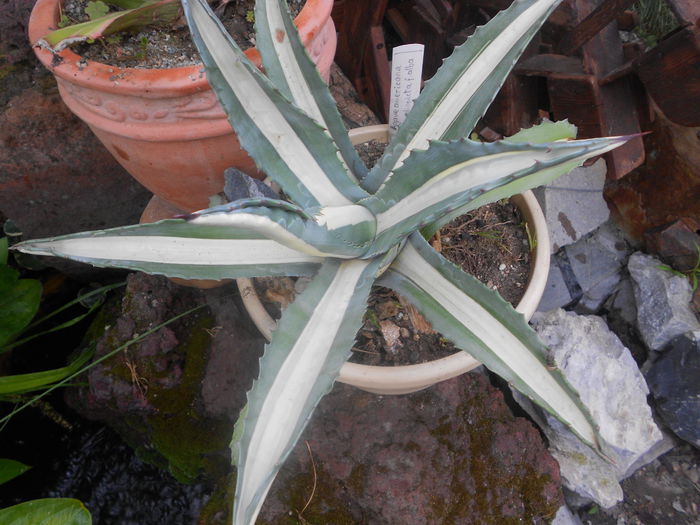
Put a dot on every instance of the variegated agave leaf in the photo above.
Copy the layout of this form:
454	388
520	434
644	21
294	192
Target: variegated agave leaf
137	14
349	234
463	88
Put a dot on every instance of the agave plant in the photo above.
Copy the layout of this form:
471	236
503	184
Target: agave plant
350	228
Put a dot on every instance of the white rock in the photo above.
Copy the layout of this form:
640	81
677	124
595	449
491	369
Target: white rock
608	380
663	301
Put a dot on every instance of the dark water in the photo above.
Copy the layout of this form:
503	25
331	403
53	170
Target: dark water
91	463
72	457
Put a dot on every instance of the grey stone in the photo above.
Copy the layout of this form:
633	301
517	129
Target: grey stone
621	303
621	315
565	517
556	293
673	381
239	185
573	204
596	262
663	301
586	272
596	363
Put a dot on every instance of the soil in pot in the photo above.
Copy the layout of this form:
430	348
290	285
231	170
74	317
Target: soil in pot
159	48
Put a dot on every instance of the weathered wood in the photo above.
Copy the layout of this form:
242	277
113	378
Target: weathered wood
576	97
590	26
671	74
378	72
516	105
686	11
420	21
615	102
546	64
356	53
353	20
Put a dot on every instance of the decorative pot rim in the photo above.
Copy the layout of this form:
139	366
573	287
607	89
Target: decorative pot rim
411	378
145	81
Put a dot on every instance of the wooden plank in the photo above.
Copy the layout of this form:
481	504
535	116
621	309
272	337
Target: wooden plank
600	17
378	73
671	74
576	97
353	20
546	63
516	105
686	11
616	103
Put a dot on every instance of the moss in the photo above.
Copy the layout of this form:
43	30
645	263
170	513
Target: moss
323	505
191	444
175	436
524	482
217	511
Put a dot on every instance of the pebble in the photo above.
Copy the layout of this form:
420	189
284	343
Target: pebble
502	267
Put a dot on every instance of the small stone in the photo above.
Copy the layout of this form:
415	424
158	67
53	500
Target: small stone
673	381
663	301
501	267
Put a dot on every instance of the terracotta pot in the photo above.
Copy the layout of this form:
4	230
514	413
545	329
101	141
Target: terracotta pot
411	378
165	126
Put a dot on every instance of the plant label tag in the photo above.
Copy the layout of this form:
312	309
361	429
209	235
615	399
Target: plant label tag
406	71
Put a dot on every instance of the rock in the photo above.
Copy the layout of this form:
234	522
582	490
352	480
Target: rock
56	177
621	303
673	381
452	453
621	316
565	517
160	393
561	289
663	301
596	261
583	274
675	243
573	204
596	363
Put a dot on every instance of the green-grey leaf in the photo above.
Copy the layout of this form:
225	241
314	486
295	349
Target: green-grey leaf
290	68
457	96
479	321
3	251
311	343
547	131
449	175
50	511
161	11
177	248
22	383
287	144
19	302
10	469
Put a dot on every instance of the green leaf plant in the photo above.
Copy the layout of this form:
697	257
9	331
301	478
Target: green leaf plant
132	15
350	228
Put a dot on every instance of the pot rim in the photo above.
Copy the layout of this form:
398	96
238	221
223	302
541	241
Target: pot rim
411	378
144	81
